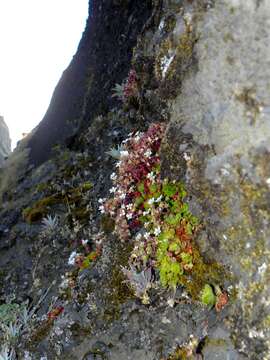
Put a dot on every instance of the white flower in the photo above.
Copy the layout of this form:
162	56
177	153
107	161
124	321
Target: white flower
151	201
262	269
146	212
101	201
147	235
157	231
72	258
158	199
148	153
84	242
151	176
124	153
129	206
138	236
113	189
118	164
122	196
101	209
113	176
129	216
137	138
171	302
186	156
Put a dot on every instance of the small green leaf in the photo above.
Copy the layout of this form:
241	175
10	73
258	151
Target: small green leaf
153	188
187	258
174	247
169	189
208	297
173	219
141	188
139	200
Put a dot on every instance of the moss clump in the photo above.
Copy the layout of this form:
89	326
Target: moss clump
40	333
40	208
71	196
155	211
208	297
41	187
119	292
107	224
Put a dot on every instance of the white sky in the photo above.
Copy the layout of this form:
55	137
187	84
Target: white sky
37	41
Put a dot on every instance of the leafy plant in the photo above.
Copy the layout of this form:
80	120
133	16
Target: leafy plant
139	281
7	353
118	91
208	297
115	152
49	223
155	213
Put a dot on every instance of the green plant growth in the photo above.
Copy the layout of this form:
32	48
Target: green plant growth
41	208
208	297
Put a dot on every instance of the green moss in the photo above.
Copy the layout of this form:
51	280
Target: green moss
39	334
40	208
203	273
208	297
169	23
182	353
79	331
41	187
81	214
183	55
107	224
119	291
72	196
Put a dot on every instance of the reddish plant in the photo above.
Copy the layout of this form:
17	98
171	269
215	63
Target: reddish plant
54	313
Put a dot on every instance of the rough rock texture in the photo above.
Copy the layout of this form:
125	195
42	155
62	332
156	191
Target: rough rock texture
202	68
102	59
224	109
5	142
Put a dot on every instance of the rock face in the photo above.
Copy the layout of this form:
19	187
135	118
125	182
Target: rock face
201	69
5	142
84	91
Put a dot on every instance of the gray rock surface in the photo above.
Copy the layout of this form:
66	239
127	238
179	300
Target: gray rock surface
223	111
5	142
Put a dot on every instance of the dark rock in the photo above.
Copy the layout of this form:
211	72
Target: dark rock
102	60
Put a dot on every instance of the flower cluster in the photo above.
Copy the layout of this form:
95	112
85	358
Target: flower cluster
138	159
151	210
131	86
85	257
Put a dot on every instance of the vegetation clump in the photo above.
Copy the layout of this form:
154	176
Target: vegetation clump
40	209
153	212
129	89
